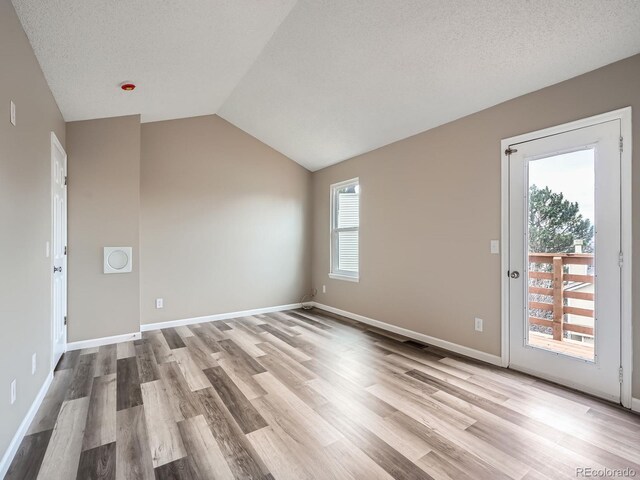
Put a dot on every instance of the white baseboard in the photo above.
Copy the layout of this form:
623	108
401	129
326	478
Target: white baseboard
635	405
98	342
421	337
220	316
7	458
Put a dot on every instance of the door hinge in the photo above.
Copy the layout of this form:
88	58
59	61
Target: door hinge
65	319
510	150
620	259
621	144
620	376
65	180
65	249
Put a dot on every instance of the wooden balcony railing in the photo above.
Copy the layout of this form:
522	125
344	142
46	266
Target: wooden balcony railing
557	292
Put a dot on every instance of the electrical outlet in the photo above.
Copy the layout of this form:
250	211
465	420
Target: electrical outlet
13	114
34	363
159	302
478	324
495	246
13	391
324	289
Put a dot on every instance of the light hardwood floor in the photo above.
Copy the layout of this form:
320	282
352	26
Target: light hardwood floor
308	395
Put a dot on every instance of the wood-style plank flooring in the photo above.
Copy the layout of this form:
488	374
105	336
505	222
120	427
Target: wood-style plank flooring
309	395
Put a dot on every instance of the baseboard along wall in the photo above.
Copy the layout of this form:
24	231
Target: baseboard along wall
421	337
220	316
98	342
12	449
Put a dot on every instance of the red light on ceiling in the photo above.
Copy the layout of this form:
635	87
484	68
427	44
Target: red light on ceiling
128	87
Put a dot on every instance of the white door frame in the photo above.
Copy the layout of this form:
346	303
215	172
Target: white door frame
55	144
626	352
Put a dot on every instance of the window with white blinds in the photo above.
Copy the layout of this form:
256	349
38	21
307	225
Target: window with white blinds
345	226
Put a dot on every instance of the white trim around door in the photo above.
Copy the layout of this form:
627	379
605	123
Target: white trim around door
624	115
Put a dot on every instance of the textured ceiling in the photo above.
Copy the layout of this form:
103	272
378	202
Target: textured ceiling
186	56
323	80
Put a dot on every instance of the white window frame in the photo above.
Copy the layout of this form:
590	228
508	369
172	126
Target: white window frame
334	272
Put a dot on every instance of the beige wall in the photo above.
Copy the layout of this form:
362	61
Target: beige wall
225	221
25	221
104	210
436	198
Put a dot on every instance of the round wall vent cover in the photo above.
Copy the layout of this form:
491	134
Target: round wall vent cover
118	260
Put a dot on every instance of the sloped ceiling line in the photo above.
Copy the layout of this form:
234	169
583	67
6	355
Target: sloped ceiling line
319	80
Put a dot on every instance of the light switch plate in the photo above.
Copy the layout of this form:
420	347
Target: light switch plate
495	246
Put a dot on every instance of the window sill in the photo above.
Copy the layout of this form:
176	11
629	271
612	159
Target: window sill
347	278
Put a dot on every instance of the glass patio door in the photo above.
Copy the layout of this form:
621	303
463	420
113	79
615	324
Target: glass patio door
564	263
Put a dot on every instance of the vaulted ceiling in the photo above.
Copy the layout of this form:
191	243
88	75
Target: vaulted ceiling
318	80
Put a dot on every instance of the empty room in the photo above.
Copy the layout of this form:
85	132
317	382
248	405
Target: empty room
319	239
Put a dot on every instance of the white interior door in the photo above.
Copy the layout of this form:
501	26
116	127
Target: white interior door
59	248
565	258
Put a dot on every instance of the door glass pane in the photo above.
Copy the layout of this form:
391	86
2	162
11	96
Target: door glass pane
561	282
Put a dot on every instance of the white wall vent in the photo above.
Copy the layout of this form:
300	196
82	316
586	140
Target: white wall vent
117	259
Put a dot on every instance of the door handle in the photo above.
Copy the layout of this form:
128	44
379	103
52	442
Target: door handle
57	269
515	274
